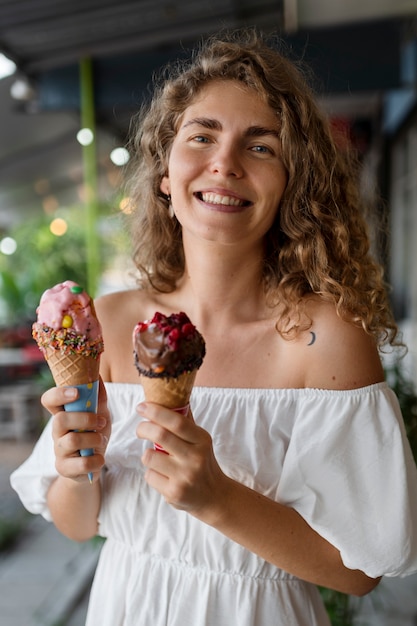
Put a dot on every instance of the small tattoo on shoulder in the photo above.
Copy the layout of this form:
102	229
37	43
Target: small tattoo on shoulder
313	338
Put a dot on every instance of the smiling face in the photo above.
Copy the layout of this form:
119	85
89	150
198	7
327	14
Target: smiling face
225	174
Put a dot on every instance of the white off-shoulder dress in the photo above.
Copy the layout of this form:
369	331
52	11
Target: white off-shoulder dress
340	458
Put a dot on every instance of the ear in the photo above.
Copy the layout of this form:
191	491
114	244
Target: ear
165	186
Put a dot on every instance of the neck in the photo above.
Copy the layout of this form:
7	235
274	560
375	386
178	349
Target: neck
222	283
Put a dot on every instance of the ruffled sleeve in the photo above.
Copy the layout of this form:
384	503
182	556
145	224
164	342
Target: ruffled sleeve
350	473
34	477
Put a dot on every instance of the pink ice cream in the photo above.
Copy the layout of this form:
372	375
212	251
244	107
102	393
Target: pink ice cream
67	321
68	300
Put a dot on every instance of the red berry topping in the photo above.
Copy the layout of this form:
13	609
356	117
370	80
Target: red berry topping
174	334
171	346
188	329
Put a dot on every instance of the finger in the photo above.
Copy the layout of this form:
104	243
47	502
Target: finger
69	449
156	434
65	421
157	480
78	468
73	441
80	438
183	426
177	483
158	469
54	399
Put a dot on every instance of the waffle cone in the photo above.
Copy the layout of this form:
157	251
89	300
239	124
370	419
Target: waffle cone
172	393
72	369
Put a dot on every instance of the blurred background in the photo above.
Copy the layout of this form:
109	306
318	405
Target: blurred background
72	75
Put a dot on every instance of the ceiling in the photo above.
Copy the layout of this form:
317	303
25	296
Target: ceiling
353	45
41	34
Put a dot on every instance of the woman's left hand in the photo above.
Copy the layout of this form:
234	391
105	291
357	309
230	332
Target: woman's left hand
188	476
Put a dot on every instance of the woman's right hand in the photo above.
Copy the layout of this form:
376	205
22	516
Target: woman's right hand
94	431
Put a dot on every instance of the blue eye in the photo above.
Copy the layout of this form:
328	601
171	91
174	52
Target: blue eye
261	149
200	139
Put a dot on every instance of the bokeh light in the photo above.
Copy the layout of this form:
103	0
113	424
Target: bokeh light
125	205
85	136
119	156
8	246
58	227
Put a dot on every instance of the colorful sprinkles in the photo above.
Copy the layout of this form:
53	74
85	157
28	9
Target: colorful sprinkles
66	341
76	289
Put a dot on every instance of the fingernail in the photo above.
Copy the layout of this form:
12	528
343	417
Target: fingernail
141	407
101	422
70	392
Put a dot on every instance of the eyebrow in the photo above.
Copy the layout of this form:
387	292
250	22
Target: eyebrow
260	131
213	124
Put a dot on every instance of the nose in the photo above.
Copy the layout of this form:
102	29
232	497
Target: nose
227	162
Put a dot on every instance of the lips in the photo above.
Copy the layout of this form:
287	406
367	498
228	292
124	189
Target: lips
211	197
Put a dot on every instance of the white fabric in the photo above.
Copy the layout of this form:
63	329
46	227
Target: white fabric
340	458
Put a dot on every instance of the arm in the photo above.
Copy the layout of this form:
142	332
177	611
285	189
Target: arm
281	536
74	507
74	503
190	479
342	357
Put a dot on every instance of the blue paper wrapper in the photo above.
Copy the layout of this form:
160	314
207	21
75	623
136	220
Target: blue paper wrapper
87	401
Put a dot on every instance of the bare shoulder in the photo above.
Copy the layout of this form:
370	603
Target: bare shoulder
340	354
118	313
118	302
129	307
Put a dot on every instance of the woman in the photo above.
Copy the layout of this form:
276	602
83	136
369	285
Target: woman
293	469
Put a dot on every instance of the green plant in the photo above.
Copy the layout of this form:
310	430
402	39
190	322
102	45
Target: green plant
337	606
43	259
10	529
11	293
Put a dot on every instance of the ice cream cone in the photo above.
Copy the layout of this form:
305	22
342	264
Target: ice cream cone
72	369
174	393
69	335
168	351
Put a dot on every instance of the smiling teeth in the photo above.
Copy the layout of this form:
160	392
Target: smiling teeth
215	198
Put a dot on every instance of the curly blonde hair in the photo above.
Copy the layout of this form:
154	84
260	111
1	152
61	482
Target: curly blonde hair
319	242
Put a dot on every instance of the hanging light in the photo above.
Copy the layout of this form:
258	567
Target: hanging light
7	67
